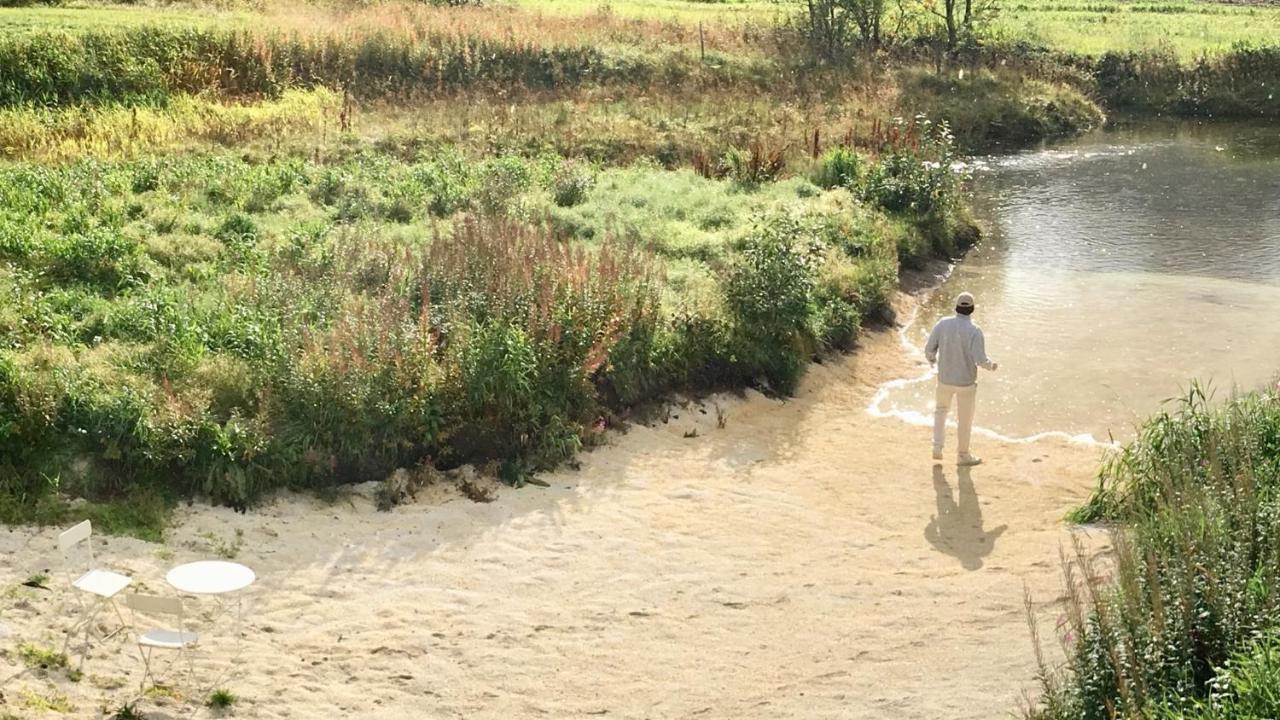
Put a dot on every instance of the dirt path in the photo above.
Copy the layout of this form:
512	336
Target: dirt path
805	561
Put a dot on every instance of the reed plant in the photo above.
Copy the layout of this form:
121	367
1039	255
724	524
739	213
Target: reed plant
1193	586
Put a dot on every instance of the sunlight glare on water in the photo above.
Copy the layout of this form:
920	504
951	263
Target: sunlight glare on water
1115	269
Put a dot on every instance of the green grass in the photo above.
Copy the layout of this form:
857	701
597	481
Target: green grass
79	19
221	699
726	12
1091	27
1186	27
127	711
51	701
186	122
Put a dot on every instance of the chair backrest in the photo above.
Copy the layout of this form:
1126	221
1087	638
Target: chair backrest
70	540
154	605
74	536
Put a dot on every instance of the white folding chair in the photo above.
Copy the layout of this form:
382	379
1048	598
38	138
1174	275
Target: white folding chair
95	587
153	639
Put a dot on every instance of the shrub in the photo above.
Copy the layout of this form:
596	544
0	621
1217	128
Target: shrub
770	293
571	183
534	323
239	234
447	181
1248	686
1236	83
501	181
755	165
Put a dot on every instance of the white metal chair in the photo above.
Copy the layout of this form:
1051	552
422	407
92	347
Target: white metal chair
153	639
96	587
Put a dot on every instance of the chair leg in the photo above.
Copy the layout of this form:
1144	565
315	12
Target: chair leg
119	616
81	612
146	669
88	613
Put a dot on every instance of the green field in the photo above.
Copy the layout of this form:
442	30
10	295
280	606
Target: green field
79	18
1186	27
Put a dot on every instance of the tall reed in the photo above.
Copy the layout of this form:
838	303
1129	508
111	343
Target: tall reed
1195	577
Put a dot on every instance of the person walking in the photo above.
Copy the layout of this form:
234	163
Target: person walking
958	348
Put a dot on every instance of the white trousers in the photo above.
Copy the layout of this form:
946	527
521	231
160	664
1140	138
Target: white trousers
965	396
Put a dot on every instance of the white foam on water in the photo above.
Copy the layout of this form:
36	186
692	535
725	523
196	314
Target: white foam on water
915	417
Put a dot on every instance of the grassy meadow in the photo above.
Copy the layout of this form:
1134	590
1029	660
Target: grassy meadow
1186	28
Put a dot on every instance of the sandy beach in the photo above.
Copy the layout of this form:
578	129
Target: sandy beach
805	560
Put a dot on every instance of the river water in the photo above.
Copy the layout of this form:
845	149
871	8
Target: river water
1116	268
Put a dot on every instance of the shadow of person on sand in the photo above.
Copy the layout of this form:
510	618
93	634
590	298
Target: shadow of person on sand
957	528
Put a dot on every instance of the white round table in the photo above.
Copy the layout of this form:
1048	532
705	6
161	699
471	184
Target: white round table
210	577
214	577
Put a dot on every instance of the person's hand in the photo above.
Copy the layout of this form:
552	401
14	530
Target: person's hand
995	366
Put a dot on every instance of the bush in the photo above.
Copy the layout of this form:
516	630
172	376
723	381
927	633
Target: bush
1247	687
448	183
571	184
770	293
914	174
1236	83
501	181
756	165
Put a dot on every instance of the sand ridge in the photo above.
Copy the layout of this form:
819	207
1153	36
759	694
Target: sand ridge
806	560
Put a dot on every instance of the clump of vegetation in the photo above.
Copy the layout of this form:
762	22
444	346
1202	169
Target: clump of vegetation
1237	83
50	701
39	658
1182	627
127	712
221	699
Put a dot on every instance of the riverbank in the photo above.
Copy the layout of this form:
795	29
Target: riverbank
804	560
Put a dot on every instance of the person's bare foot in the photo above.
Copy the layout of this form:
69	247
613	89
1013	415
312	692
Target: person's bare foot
967	460
937	455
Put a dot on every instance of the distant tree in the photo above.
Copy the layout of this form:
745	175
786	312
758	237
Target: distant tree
868	15
829	24
826	26
948	15
963	19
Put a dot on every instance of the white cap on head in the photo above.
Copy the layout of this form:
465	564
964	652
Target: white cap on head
965	300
